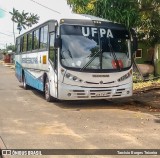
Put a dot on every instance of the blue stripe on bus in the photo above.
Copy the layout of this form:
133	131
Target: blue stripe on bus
30	79
33	81
18	71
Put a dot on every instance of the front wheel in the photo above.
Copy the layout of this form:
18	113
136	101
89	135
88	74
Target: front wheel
48	97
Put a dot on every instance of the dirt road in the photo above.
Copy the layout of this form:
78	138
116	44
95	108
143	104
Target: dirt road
27	121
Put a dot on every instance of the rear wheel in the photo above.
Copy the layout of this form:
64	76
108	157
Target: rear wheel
25	86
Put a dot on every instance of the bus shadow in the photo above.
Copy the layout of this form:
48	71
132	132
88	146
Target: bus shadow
34	91
79	104
122	104
135	103
85	104
130	104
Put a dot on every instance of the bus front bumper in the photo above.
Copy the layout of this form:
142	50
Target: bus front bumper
68	92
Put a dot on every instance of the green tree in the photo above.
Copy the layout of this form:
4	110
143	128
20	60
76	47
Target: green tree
23	20
14	14
144	15
32	19
149	29
122	11
11	47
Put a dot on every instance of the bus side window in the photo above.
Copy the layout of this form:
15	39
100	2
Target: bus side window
51	47
21	42
36	39
29	41
24	48
43	37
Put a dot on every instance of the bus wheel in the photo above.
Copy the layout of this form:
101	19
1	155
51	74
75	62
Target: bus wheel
48	97
25	86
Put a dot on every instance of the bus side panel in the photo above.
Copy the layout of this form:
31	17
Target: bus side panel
18	67
34	79
35	65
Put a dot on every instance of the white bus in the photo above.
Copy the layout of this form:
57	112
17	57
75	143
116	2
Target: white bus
80	57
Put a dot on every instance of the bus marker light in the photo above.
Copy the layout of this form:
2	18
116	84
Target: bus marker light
68	75
74	78
69	94
62	21
44	59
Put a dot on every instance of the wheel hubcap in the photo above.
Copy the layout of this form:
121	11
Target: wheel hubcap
24	82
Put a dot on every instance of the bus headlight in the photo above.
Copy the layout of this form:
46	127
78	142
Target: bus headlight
70	76
124	77
73	78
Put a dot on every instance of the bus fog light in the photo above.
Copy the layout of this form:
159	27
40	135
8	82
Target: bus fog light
69	94
68	75
62	71
74	78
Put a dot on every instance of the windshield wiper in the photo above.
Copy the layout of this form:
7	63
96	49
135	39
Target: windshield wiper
94	56
114	54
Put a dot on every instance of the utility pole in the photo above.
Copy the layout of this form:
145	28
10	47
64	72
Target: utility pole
6	46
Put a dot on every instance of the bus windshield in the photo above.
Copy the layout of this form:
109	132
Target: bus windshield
95	48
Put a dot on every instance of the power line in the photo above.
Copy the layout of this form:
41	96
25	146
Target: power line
12	32
6	34
4	10
45	7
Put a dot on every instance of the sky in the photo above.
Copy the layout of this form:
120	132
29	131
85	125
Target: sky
6	6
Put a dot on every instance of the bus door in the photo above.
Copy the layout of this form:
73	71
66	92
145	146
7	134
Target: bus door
52	65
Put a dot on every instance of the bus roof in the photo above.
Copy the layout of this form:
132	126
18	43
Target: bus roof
70	16
82	17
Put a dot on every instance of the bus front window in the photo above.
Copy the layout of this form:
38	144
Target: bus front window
93	48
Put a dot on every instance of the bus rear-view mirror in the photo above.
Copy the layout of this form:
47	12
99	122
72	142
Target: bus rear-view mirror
58	43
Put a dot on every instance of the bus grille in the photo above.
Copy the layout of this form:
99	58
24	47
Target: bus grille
109	93
99	82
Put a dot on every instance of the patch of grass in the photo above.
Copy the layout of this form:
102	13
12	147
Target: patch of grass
146	85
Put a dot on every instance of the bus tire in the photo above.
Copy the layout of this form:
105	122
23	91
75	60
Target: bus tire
48	96
25	86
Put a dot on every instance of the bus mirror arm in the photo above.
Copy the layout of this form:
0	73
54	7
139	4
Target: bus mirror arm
58	42
135	40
